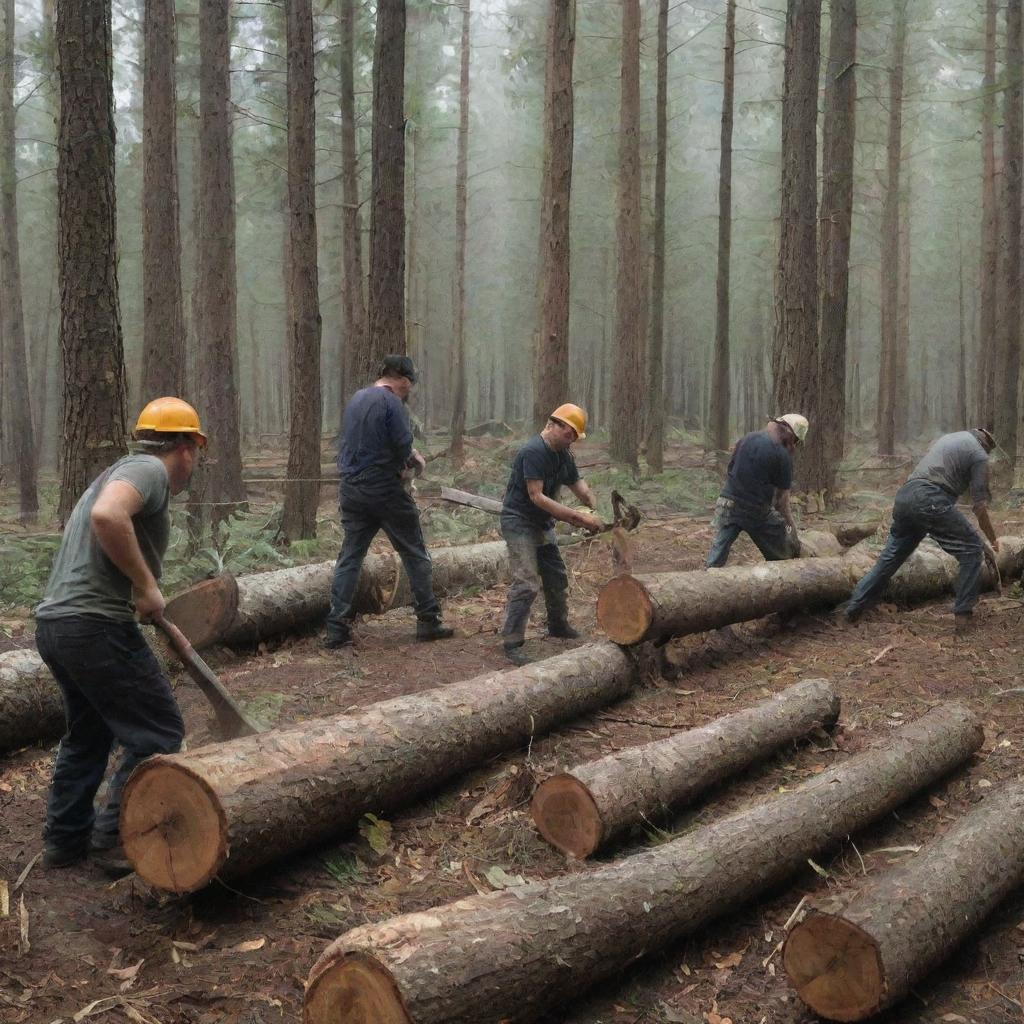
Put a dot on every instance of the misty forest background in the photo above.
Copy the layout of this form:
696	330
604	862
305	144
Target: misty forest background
775	207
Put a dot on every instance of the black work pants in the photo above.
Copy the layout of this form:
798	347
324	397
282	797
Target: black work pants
535	562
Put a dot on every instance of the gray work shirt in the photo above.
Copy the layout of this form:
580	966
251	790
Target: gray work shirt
84	581
955	463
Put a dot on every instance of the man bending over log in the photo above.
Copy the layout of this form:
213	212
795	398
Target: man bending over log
528	513
926	506
376	448
755	497
113	688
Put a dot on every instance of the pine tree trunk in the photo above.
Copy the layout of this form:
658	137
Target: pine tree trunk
229	808
985	411
510	956
902	396
961	354
31	709
583	809
93	430
302	495
849	962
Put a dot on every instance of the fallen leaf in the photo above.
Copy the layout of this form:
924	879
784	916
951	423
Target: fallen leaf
126	973
732	960
953	1018
248	947
501	879
5	898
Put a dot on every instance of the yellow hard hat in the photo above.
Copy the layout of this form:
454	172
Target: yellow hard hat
797	423
574	416
171	416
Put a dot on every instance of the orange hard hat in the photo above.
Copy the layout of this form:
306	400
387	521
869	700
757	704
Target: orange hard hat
574	416
171	416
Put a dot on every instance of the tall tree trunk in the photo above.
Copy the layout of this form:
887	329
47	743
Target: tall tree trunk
93	431
961	360
458	377
718	427
16	403
302	495
356	337
795	344
902	398
628	377
985	411
886	414
836	215
1008	371
163	322
387	213
551	357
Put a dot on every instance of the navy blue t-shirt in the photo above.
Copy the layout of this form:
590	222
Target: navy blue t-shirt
376	437
536	461
759	466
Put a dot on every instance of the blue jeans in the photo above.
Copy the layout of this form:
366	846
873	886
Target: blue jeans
113	689
535	562
365	509
924	509
766	528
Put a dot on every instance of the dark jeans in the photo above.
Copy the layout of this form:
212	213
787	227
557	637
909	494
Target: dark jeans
535	562
365	509
766	528
923	509
113	689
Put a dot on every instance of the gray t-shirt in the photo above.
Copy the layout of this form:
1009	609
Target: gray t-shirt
84	581
956	462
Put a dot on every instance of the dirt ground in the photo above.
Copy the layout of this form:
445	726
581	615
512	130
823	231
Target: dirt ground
74	946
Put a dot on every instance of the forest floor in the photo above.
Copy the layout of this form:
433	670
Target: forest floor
75	946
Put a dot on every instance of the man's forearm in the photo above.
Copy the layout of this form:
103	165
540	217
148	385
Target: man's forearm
985	522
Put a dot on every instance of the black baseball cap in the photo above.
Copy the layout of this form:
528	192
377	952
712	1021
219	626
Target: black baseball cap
400	366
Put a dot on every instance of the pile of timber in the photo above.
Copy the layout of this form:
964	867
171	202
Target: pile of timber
225	809
851	958
513	955
583	809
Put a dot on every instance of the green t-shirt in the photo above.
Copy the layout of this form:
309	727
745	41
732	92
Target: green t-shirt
84	581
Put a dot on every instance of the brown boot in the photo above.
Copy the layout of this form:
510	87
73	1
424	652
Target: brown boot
963	624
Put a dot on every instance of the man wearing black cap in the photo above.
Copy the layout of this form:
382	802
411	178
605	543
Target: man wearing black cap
926	506
376	447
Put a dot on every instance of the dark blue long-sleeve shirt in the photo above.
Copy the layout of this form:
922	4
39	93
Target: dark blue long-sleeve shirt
377	437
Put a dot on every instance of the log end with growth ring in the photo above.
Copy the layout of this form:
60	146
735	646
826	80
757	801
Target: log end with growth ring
567	816
835	968
173	828
624	610
353	989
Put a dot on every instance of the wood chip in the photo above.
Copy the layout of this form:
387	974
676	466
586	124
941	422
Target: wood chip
5	898
23	944
248	947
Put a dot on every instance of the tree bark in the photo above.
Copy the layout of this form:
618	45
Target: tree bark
653	607
582	810
14	360
718	427
163	322
985	406
961	354
31	709
851	961
627	383
551	359
229	808
302	493
509	956
93	430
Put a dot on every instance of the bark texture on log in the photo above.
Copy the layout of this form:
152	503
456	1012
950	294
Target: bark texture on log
510	955
850	961
30	703
231	807
581	810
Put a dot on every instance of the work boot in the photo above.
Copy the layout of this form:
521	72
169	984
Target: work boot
113	862
337	637
433	629
563	631
514	652
103	841
55	856
849	615
963	624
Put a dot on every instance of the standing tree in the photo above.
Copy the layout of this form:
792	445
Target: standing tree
302	493
551	358
718	427
387	188
93	432
627	384
458	376
15	403
163	325
836	215
989	229
795	346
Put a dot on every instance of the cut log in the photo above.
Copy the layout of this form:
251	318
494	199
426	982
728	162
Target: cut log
512	955
853	533
228	808
850	961
286	600
581	810
657	606
31	709
472	500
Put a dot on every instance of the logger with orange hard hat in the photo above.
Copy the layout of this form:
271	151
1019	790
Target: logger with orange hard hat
755	497
105	574
539	470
